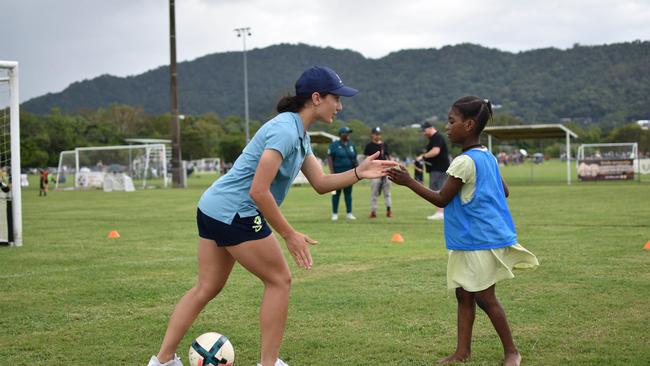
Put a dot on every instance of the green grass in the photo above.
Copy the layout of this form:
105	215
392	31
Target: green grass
70	296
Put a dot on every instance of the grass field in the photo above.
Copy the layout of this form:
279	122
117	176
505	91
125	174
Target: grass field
70	296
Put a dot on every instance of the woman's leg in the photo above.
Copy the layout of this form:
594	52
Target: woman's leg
466	314
487	301
215	264
265	260
347	192
335	201
375	184
386	189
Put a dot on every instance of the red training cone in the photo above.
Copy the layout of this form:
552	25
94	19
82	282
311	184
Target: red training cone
113	234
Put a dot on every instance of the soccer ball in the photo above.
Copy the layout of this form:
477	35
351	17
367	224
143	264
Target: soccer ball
211	349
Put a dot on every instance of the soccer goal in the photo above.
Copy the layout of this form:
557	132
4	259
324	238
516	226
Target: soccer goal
10	200
607	161
113	168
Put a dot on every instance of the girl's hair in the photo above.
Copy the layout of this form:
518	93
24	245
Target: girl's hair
294	103
476	108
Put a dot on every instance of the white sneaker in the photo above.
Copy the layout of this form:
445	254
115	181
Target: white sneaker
173	362
436	216
335	217
278	362
350	216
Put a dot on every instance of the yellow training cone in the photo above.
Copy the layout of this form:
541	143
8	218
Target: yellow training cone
397	238
113	234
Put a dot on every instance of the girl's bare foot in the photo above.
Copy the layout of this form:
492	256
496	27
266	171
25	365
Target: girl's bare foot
512	359
455	358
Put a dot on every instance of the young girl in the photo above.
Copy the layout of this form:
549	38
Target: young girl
232	213
479	232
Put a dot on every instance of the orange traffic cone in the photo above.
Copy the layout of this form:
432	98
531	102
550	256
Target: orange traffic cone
647	245
113	234
397	238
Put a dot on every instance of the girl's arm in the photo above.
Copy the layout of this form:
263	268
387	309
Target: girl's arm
439	198
505	187
260	192
323	183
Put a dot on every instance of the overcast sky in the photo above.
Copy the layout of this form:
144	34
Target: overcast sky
58	42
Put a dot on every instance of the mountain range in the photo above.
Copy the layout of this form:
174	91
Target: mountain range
605	85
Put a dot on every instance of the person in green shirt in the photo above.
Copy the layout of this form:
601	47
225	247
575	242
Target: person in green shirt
341	157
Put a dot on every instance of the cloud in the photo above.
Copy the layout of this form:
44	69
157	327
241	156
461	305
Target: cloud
68	40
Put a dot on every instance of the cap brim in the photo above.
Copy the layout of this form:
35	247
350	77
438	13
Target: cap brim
345	91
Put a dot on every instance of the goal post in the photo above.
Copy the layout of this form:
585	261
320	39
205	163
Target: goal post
113	167
607	161
10	178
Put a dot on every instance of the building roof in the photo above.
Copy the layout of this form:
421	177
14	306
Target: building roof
145	141
321	137
542	131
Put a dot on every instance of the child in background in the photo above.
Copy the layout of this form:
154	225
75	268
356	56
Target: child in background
43	182
479	231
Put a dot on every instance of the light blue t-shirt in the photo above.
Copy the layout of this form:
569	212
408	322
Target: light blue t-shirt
229	195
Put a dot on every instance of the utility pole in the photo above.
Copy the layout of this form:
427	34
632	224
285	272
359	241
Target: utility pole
175	129
243	33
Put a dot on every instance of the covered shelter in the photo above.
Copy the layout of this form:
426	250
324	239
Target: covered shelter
321	137
538	131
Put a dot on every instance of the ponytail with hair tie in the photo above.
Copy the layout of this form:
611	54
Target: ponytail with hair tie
474	107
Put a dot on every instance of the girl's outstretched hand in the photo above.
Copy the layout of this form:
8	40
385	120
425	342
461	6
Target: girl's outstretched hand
370	167
399	175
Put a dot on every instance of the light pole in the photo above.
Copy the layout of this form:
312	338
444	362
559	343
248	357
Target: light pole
178	180
243	33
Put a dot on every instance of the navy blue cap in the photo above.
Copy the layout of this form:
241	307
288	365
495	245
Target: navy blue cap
322	79
345	129
425	125
376	130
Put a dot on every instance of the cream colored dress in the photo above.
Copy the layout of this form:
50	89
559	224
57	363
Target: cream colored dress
476	270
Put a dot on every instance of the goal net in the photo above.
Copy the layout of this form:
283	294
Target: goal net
113	168
607	161
10	179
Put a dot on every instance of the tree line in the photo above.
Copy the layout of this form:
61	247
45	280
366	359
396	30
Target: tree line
44	136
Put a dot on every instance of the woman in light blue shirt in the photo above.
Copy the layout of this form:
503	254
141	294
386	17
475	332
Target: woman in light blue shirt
233	213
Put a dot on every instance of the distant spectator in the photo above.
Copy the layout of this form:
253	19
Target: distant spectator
437	162
341	157
418	174
382	184
44	182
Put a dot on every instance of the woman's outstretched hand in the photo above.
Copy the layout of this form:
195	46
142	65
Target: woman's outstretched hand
399	175
370	167
298	245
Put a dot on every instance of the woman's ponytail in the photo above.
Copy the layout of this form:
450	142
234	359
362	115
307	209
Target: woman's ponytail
290	103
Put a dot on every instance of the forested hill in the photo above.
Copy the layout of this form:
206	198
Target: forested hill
605	85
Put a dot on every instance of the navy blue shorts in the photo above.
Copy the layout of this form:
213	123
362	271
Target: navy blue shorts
242	229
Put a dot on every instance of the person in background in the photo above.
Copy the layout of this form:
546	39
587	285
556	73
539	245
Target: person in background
436	159
418	167
381	184
43	182
341	157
